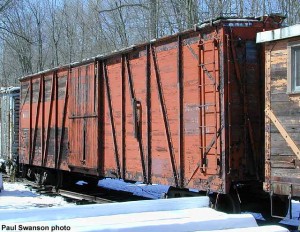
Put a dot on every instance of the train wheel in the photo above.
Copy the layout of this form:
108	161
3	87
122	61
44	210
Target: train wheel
228	203
59	180
177	192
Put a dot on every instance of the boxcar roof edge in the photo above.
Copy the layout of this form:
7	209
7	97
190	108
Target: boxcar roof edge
201	26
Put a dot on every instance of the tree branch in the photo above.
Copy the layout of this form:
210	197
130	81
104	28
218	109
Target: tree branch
122	6
16	34
2	7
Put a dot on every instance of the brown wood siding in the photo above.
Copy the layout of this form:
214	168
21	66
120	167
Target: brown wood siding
43	121
282	166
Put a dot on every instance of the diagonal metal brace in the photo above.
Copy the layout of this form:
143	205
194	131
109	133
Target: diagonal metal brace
212	142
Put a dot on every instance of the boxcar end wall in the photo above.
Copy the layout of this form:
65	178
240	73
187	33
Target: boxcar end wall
9	123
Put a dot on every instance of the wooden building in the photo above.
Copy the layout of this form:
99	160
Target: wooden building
282	111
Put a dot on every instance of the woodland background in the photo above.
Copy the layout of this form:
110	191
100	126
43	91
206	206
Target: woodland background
41	34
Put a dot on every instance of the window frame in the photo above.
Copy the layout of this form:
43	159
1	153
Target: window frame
292	88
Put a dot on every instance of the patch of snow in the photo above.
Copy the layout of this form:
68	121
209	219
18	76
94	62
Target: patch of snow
257	216
176	214
18	196
294	221
181	220
105	209
138	189
81	182
194	190
255	229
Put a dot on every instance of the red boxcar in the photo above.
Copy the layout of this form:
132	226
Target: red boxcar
185	110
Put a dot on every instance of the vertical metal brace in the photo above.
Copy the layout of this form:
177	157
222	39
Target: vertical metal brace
101	116
216	43
165	115
36	122
181	111
56	119
112	122
30	123
45	156
290	201
83	160
123	78
62	134
201	102
137	121
137	113
228	164
149	113
43	119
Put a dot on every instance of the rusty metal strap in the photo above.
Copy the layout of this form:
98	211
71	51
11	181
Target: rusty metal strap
83	116
208	74
194	54
24	100
212	142
283	132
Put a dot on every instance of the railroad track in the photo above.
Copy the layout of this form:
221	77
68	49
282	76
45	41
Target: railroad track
81	196
50	190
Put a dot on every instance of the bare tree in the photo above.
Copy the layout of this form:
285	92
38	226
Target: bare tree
42	34
37	12
153	19
54	26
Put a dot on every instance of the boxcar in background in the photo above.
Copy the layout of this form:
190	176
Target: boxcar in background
184	110
282	108
9	123
9	129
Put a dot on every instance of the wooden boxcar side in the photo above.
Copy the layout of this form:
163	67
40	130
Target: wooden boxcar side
282	121
44	125
184	110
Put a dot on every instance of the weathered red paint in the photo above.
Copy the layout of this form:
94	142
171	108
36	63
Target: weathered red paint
184	111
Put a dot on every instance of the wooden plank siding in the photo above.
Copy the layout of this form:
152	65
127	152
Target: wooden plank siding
282	165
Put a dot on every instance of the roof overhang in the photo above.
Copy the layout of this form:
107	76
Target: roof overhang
278	34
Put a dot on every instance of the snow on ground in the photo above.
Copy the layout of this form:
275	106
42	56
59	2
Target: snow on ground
18	196
177	214
138	188
157	191
20	208
294	221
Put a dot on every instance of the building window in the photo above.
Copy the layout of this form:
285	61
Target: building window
294	68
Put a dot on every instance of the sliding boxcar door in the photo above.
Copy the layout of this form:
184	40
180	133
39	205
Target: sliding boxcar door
83	119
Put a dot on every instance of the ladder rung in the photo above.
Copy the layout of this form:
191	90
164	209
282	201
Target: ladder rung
207	85
209	112
207	148
203	64
201	106
207	126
